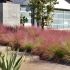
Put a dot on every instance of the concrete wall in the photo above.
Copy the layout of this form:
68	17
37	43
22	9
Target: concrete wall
11	14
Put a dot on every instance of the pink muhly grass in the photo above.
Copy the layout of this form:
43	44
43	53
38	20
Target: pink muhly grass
33	35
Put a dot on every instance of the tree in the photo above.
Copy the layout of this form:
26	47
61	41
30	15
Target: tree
38	11
49	9
36	8
41	8
23	19
32	6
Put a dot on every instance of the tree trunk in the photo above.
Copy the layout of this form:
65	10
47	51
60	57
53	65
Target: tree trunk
37	23
32	16
42	25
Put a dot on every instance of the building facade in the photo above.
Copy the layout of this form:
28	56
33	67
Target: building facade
61	19
9	13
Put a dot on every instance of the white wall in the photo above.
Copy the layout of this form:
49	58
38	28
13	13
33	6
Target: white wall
11	14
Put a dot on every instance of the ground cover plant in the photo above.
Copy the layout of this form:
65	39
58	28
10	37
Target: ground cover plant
48	44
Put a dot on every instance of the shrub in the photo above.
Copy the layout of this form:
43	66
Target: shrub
46	55
67	47
58	56
28	48
59	53
55	52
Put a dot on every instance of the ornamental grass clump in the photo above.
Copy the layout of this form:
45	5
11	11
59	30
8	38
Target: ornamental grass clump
55	52
28	48
37	41
59	54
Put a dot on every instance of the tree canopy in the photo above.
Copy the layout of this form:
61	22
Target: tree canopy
42	10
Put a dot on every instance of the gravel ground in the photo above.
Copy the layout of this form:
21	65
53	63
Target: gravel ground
42	65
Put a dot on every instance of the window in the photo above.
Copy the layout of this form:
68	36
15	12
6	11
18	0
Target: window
61	19
67	16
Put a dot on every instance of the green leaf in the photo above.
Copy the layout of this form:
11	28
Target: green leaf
3	64
17	62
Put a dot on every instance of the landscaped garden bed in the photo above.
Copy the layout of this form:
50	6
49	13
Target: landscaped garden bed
51	45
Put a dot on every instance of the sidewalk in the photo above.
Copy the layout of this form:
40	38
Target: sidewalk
42	65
